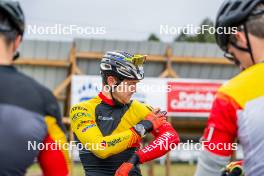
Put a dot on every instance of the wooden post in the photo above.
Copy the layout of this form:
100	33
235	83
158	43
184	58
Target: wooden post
168	161
42	62
71	72
168	72
151	168
63	85
150	164
66	84
67	102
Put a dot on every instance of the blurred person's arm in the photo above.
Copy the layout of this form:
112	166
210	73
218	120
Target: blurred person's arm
218	138
54	161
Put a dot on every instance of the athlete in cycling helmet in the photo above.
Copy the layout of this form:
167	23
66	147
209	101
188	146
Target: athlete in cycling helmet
238	108
121	66
116	123
29	113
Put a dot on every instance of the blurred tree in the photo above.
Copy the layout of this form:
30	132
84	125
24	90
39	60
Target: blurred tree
153	37
205	37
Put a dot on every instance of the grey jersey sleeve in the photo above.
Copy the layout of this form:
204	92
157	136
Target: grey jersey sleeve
210	164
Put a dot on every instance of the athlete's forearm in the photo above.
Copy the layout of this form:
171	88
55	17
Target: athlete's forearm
105	146
164	138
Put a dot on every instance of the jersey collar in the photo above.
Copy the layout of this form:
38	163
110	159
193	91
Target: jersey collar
105	99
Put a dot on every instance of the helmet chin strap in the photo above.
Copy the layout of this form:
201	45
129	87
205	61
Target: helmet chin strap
249	48
248	44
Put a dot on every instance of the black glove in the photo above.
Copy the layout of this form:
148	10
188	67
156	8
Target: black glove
233	169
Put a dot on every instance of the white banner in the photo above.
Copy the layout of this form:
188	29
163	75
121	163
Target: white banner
180	97
150	90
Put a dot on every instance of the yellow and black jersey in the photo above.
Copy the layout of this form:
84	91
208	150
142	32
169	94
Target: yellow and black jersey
105	132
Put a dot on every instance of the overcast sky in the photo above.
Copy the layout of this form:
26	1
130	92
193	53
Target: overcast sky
117	19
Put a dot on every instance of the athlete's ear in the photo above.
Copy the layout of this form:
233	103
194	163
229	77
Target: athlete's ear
17	42
241	39
111	80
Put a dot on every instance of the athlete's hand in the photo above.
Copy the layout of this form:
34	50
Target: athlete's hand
129	168
233	169
152	122
158	111
157	119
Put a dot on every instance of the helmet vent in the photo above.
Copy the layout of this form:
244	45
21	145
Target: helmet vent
247	5
224	9
124	73
235	6
105	66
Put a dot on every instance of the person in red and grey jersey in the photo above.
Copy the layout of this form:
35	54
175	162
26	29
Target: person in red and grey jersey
238	108
29	113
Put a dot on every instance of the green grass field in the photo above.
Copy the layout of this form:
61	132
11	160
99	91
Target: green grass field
159	170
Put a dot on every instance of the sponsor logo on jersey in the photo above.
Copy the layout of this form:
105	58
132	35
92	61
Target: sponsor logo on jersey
88	127
83	122
78	108
125	137
80	114
114	142
105	118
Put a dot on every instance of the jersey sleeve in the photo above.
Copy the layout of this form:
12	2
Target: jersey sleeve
221	130
52	109
54	160
165	138
85	128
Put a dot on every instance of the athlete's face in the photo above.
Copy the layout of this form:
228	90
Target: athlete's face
243	57
125	90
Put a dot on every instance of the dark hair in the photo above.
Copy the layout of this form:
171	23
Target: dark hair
10	34
255	23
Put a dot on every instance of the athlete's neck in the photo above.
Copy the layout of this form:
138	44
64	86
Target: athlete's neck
107	94
6	54
4	60
262	61
257	49
110	100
